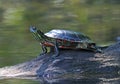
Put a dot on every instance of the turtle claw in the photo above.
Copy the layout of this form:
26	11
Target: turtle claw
55	55
41	54
98	50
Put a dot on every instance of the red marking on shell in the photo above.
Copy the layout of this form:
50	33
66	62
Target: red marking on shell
66	47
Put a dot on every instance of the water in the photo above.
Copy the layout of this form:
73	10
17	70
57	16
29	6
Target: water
18	81
98	19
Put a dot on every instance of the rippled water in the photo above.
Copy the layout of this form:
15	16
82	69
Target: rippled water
97	19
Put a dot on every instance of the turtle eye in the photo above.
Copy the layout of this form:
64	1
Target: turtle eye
34	28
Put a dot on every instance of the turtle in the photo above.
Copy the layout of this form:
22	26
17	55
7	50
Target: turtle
63	39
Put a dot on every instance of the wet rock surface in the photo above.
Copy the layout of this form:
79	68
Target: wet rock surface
71	65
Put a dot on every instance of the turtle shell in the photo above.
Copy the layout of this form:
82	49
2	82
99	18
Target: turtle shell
68	36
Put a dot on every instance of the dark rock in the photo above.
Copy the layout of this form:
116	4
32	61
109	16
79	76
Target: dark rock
68	64
74	65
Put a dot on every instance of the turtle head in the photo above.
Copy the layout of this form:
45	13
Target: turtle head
37	33
33	29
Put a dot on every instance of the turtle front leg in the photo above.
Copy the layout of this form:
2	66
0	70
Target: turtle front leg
56	49
44	50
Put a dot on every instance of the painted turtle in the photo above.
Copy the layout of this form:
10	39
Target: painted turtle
64	39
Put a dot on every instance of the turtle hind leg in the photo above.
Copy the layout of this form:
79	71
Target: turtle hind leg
94	48
44	50
97	49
